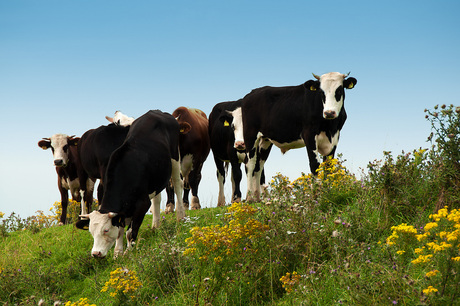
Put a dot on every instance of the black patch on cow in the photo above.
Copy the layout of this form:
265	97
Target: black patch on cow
118	220
339	93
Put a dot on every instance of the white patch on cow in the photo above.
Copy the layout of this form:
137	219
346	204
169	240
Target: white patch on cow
221	197
186	165
241	156
237	125
155	209
254	189
121	119
58	142
323	146
286	146
329	83
103	232
178	188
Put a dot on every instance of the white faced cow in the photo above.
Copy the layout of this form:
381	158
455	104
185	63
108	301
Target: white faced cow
137	172
67	163
311	115
120	119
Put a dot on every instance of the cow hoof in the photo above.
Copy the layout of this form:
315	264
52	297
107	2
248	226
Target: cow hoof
237	200
195	203
169	208
61	223
186	206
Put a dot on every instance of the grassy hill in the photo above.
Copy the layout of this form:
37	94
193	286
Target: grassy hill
390	238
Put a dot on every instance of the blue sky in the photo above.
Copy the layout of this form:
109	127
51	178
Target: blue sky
64	65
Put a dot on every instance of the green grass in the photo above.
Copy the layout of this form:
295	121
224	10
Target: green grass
308	242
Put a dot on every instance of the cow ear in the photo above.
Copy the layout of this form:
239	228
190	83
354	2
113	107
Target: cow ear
185	127
73	141
226	118
83	224
109	119
349	83
44	144
311	85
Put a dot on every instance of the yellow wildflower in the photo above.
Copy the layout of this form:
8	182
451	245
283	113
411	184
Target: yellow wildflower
430	290
432	273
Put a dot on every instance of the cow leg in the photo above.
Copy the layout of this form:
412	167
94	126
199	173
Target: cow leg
155	209
170	203
255	167
236	180
119	242
221	179
178	188
194	180
186	193
100	192
64	203
313	155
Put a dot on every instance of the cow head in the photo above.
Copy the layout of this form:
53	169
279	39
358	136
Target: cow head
234	120
331	88
120	119
105	229
184	126
60	145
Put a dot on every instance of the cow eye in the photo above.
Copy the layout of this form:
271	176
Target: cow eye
339	93
106	231
65	148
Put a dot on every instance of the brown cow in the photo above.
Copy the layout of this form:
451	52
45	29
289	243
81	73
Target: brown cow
67	165
194	148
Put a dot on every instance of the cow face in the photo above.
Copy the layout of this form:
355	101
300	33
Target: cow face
60	145
104	230
331	86
120	119
234	119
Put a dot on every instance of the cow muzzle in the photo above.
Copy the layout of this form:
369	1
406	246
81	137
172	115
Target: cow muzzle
239	145
97	254
59	163
330	114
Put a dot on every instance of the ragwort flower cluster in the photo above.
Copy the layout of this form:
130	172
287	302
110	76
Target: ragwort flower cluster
122	283
220	241
81	302
437	251
290	281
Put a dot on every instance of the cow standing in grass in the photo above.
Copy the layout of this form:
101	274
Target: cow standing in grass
310	115
67	163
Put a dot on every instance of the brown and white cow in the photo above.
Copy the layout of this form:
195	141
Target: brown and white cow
67	163
194	149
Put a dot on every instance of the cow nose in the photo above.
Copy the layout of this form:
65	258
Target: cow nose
330	114
239	145
58	162
96	254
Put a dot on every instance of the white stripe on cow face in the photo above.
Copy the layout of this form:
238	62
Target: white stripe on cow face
237	126
59	143
332	86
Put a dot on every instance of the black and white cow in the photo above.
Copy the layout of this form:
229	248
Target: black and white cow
67	163
137	172
311	115
227	145
95	148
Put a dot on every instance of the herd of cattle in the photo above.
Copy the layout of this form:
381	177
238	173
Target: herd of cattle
135	160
